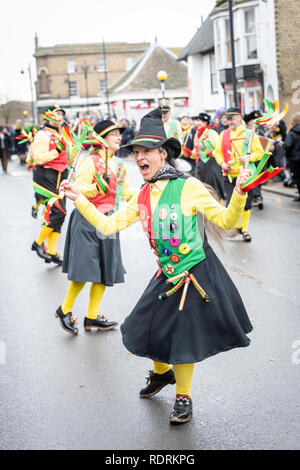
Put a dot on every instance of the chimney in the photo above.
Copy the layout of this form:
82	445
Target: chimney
36	41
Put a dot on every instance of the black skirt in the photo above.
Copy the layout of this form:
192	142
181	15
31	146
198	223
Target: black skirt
211	173
89	256
157	329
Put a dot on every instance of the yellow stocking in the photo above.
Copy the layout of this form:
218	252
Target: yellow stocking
44	234
96	293
52	242
161	367
73	290
246	219
37	204
183	376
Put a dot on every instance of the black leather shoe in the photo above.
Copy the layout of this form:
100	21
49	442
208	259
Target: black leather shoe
101	323
57	259
155	382
246	236
67	322
182	410
41	252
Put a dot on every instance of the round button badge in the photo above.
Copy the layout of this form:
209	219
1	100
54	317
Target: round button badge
174	241
173	227
175	258
184	249
165	251
174	216
169	269
163	214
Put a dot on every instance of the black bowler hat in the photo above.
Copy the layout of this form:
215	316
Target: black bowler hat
104	127
253	115
202	117
165	109
55	108
152	135
234	111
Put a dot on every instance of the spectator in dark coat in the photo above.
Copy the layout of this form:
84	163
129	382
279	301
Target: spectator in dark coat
292	150
127	137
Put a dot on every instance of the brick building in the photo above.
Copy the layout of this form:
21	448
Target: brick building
287	27
74	76
267	50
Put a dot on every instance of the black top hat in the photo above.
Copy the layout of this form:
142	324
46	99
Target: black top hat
253	115
203	117
104	127
234	111
152	135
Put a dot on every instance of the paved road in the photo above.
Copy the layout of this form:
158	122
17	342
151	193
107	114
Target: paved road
63	392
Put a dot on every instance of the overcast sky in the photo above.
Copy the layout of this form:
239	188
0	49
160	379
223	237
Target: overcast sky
174	22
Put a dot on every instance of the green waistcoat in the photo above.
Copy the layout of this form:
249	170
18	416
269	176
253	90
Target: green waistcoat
177	239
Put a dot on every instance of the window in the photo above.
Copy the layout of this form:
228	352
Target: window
102	85
43	82
101	64
73	89
236	41
71	66
213	74
218	45
129	62
250	34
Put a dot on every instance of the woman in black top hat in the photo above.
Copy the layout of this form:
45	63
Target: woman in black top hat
88	257
168	324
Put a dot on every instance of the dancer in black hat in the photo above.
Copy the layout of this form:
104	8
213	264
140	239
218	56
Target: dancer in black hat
191	309
51	168
231	156
205	142
88	257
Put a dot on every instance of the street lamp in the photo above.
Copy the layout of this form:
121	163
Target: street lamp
162	76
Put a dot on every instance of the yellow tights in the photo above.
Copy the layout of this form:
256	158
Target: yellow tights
96	294
47	232
245	221
183	375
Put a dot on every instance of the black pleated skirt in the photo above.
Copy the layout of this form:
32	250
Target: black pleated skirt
89	256
157	329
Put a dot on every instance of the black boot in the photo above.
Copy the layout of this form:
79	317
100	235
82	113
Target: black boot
34	212
67	321
41	252
182	410
57	259
101	323
155	382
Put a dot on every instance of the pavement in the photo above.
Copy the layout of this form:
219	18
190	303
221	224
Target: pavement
277	187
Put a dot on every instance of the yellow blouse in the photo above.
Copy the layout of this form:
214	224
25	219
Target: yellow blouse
195	198
39	148
237	149
85	175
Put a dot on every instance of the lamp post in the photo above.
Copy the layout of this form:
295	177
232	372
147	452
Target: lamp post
85	69
31	91
162	76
